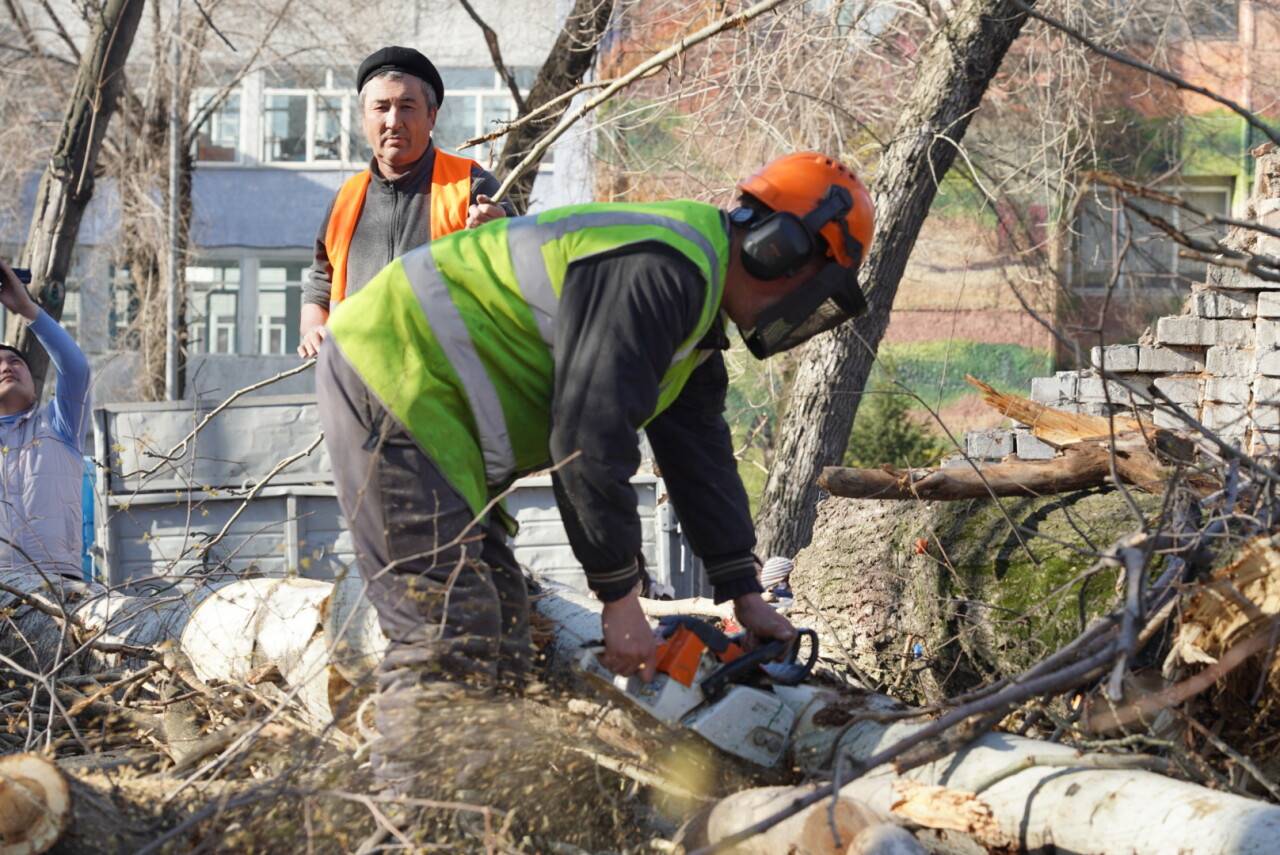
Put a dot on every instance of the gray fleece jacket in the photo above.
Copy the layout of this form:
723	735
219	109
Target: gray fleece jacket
395	219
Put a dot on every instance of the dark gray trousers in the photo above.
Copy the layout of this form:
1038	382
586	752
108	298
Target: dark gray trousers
449	593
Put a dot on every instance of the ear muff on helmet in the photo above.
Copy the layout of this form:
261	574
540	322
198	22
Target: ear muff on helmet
780	243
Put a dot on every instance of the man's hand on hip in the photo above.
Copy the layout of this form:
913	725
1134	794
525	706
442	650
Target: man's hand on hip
483	211
629	645
761	619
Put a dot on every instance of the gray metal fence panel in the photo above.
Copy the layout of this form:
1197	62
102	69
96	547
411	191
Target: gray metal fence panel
159	524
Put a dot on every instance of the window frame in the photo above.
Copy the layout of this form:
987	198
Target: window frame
1175	279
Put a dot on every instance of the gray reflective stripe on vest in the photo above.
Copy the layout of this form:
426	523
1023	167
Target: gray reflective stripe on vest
525	246
450	331
526	237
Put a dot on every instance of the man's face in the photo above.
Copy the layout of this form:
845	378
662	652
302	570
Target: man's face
397	120
16	385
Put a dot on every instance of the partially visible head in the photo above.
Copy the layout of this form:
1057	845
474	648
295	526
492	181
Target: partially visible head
17	389
800	233
400	94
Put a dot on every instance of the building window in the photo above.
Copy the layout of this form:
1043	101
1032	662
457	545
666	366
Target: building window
219	138
213	297
122	320
475	101
307	118
279	306
71	312
1113	242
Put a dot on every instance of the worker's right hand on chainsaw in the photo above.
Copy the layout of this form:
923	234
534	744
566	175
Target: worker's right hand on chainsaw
761	620
629	644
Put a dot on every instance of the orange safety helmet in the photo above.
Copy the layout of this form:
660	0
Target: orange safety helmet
813	200
798	182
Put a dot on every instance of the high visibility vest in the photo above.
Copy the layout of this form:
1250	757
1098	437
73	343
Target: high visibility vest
455	338
450	198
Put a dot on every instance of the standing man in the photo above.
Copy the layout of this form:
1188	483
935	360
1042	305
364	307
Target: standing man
411	193
41	462
553	340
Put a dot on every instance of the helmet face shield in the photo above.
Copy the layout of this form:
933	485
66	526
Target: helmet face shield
826	301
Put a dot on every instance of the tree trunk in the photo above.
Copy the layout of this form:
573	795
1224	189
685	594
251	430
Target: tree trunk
953	75
568	62
67	184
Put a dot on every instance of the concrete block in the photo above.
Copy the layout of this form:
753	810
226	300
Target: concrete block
1266	417
1224	304
1167	360
1268	363
1164	418
1268	334
1231	279
1030	447
1266	390
1051	390
989	444
1118	357
1227	390
1189	330
1225	418
1181	389
1269	304
1230	361
1091	389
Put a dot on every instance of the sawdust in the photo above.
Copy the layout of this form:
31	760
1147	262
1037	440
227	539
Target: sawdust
943	808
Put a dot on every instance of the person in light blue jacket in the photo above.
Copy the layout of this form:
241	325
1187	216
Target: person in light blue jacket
41	464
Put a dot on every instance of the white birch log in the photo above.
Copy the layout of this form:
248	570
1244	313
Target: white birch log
821	829
1041	808
321	637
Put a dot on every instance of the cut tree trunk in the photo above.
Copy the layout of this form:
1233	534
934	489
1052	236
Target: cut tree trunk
322	638
953	74
67	183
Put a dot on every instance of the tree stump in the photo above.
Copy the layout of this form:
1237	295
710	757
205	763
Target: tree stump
928	598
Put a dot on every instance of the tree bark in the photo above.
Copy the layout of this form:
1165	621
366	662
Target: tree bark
67	184
567	63
953	75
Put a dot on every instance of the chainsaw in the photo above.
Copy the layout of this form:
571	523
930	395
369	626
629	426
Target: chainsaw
708	682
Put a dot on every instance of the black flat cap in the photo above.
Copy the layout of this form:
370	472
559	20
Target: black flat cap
403	59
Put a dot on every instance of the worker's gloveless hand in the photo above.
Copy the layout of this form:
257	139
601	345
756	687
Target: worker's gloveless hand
310	345
629	645
761	620
483	211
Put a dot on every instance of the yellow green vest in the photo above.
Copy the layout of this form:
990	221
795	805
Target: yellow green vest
455	338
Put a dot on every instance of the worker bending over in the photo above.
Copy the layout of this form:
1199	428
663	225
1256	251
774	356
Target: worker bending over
551	340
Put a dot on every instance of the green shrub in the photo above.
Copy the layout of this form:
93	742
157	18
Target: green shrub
885	432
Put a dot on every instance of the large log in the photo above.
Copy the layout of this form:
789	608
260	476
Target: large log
1038	795
1080	466
320	637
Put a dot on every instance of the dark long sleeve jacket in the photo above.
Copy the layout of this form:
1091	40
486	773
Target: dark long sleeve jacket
622	317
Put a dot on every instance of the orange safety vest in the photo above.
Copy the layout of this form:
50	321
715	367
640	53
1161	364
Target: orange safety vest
450	198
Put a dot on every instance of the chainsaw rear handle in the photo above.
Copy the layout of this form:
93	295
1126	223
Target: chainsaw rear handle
777	659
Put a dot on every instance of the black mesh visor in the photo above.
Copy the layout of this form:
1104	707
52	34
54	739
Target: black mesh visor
828	300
